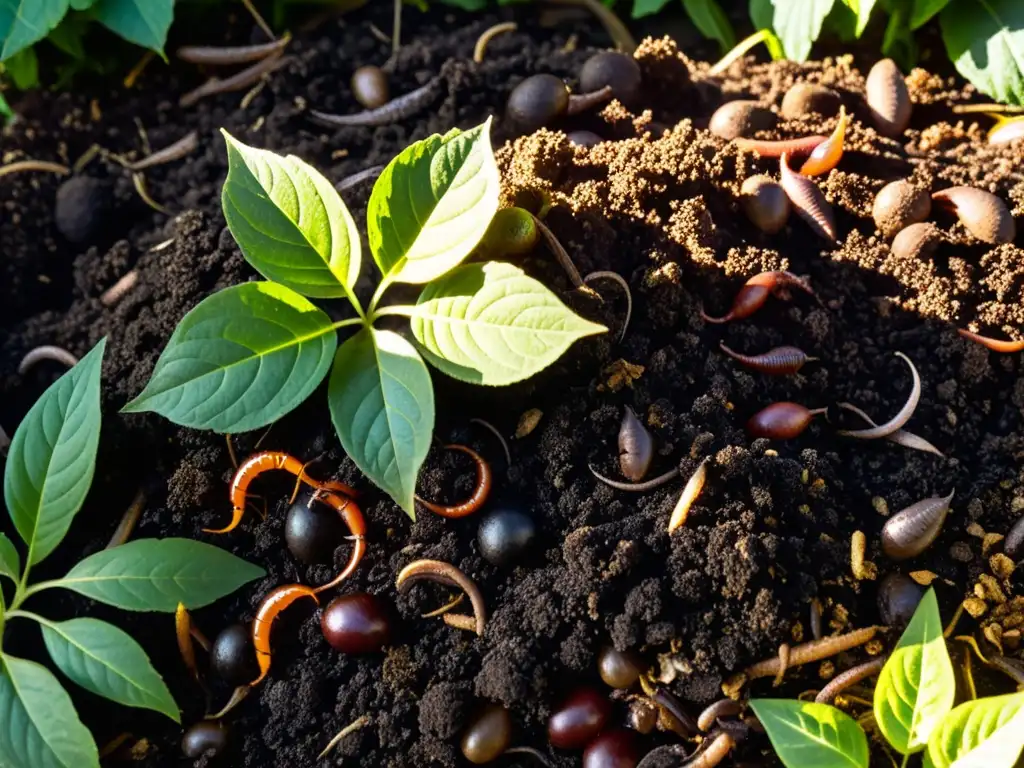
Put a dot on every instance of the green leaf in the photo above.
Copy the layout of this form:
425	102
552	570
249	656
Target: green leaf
493	324
23	67
807	734
708	17
5	109
798	24
10	563
240	360
643	8
157	574
762	13
862	11
916	688
103	659
143	22
290	222
53	456
432	204
898	43
382	406
68	35
924	10
467	5
986	733
39	727
985	40
24	22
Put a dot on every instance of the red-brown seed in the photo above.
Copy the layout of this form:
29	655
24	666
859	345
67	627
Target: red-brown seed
755	292
781	421
996	345
809	201
792	147
809	98
614	749
579	719
888	98
986	216
780	361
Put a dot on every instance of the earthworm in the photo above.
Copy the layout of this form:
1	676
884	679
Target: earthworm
501	438
996	345
901	418
358	178
636	447
1013	545
562	256
674	707
480	493
721	708
691	491
609	275
179	149
1007	667
350	728
780	361
46	352
237	82
34	165
128	521
648	485
449	575
809	201
536	754
815	650
900	436
852	676
352	516
225	56
581	102
397	109
273	604
782	421
984	215
752	296
117	291
791	147
616	30
816	618
182	631
489	34
720	744
827	155
912	530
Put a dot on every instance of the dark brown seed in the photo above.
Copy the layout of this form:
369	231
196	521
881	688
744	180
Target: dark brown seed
808	98
911	531
312	531
619	669
636	447
619	70
985	215
614	749
741	118
898	596
207	737
809	201
232	656
918	241
370	87
781	421
888	98
1013	545
586	139
488	735
82	209
765	203
898	205
579	719
537	101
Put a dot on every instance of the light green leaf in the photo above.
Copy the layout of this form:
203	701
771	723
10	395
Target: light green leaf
986	733
82	5
10	563
924	10
290	222
708	17
39	727
24	22
916	688
862	9
643	8
143	22
240	360
432	204
762	13
107	661
53	455
985	40
5	109
23	67
807	734
493	324
157	574
382	406
798	24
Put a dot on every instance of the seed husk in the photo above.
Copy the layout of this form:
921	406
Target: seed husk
986	216
898	205
888	98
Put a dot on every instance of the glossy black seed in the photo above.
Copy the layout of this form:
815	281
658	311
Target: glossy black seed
207	737
619	70
370	87
356	623
81	209
232	656
537	101
312	532
898	596
505	534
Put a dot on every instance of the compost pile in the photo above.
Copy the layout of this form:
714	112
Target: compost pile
656	203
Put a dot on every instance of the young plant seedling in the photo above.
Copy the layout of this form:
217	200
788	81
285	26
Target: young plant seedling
47	477
249	354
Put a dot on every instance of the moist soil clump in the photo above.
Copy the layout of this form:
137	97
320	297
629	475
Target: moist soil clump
657	202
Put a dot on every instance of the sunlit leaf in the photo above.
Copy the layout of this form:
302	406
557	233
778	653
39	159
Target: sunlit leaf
806	734
985	733
985	41
709	18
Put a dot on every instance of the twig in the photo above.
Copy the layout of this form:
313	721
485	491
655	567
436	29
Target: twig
237	697
616	30
140	186
46	352
501	438
648	485
489	34
562	256
260	21
616	277
350	728
237	82
1005	109
396	29
216	56
34	165
179	149
128	521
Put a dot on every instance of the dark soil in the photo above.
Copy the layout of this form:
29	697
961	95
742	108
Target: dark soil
772	528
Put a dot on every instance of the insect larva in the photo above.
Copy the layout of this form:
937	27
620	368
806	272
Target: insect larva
781	421
689	495
755	292
911	531
996	345
809	201
780	361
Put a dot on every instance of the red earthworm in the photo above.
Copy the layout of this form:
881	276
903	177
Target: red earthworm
721	708
901	418
480	493
755	292
179	149
827	155
273	604
852	676
791	147
226	56
809	201
912	530
46	352
352	516
900	436
815	650
782	421
648	485
581	102
237	82
449	575
397	109
780	361
996	345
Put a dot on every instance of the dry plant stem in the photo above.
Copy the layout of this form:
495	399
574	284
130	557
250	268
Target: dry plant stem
237	697
816	650
973	644
647	485
237	82
226	56
691	491
128	521
621	281
199	637
562	256
140	186
447	574
900	436
850	677
489	34
397	109
260	21
581	102
501	438
350	728
34	165
996	345
951	627
968	675
536	754
739	51
674	707
444	608
721	708
179	149
815	618
616	30
396	29
117	291
1008	109
46	352
901	418
358	178
717	750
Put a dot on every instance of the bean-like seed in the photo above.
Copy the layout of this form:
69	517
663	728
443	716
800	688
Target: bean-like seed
888	98
809	98
984	215
741	118
911	531
899	204
765	203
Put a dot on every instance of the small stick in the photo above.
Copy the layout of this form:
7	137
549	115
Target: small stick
1009	109
87	157
237	697
816	618
850	677
501	438
816	650
489	34
951	627
128	521
399	108
140	186
216	56
647	485
616	277
34	165
117	291
138	69
260	21
396	29
444	608
765	35
179	149
350	728
112	746
358	178
616	30
562	256
237	82
46	352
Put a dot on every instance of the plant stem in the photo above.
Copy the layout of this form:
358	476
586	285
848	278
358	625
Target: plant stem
906	759
26	615
25	593
350	321
765	36
385	283
396	309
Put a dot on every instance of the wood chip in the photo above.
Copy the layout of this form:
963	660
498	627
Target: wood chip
993	592
975	607
619	374
924	578
528	422
1001	565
